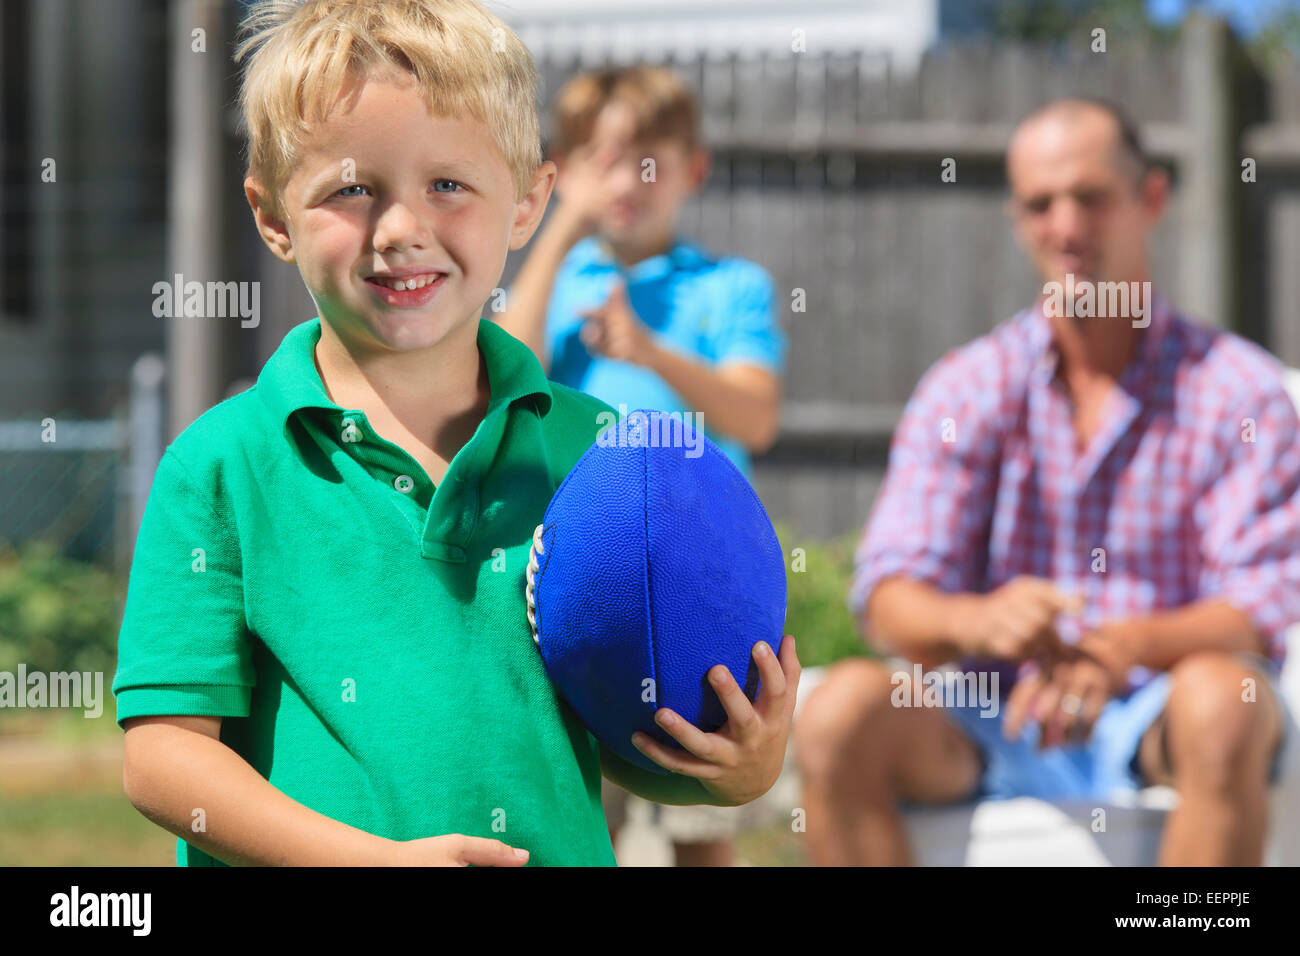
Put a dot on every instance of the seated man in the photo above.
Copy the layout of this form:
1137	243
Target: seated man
1099	506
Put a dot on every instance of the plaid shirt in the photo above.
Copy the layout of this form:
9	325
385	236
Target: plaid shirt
1191	488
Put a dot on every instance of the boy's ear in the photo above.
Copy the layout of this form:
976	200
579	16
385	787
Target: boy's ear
529	210
273	231
701	166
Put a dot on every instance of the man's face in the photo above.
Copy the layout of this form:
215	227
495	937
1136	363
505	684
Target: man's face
642	209
1075	200
383	192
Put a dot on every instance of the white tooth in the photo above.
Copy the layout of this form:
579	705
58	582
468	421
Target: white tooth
401	286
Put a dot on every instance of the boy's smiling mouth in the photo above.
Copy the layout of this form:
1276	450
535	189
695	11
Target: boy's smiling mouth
406	288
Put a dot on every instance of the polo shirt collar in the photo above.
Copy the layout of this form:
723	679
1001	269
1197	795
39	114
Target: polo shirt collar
682	254
290	382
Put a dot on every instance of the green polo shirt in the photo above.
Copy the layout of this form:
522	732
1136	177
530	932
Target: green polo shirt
364	634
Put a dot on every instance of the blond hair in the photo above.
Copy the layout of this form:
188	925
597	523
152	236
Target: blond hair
302	53
661	102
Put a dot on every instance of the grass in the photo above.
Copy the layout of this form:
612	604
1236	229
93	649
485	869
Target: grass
96	826
773	845
61	800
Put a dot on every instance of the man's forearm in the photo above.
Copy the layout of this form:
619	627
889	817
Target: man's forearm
916	620
1162	639
744	405
530	294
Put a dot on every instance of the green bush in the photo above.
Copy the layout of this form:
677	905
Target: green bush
57	614
817	582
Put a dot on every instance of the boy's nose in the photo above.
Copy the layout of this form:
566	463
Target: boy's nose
400	227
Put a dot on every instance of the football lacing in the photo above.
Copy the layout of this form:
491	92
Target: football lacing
533	551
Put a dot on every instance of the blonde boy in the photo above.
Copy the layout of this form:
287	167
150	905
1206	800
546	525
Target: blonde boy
325	655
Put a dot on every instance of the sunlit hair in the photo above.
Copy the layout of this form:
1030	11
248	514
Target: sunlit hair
662	105
301	54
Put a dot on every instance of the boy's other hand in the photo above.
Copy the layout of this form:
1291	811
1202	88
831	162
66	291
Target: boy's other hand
615	331
587	185
742	759
455	849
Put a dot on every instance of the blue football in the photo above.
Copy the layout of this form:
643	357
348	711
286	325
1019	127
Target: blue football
655	562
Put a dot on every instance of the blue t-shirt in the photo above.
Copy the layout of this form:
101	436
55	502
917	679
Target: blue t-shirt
715	309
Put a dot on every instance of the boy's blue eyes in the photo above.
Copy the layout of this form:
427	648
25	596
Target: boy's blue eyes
436	183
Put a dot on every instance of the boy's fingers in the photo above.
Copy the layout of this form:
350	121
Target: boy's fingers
605	154
793	674
744	721
713	748
480	851
675	760
592	332
772	695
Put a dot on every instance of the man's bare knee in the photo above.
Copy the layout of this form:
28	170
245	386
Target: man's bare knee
850	735
835	723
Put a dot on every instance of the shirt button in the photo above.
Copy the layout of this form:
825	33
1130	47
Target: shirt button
403	483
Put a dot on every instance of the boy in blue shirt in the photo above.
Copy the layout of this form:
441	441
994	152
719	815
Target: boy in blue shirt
615	300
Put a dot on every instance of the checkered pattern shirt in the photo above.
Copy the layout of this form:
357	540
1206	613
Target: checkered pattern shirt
1190	490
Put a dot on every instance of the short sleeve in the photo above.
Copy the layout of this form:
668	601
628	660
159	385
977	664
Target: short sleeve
184	647
931	517
749	330
1250	518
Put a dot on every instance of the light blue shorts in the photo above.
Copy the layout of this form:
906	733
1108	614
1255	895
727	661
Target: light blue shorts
1096	769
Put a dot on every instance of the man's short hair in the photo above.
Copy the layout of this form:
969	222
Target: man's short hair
1129	136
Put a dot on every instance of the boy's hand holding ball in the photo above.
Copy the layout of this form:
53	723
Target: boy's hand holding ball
742	759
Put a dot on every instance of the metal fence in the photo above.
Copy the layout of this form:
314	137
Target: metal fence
81	486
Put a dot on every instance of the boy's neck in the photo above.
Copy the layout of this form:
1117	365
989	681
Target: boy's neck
437	395
628	254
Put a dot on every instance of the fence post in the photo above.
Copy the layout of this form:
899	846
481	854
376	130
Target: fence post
1207	283
145	437
196	355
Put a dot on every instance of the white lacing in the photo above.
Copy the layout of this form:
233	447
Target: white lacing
533	551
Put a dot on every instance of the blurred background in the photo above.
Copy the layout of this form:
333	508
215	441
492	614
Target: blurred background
122	164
